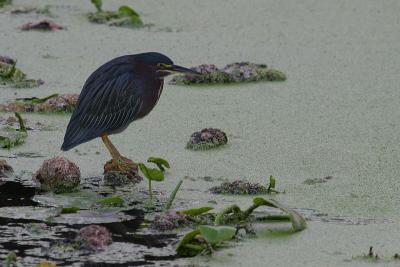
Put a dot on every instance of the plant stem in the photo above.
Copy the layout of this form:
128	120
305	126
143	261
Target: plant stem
172	196
150	192
22	127
220	218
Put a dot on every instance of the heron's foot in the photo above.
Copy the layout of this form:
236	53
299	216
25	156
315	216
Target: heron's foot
123	167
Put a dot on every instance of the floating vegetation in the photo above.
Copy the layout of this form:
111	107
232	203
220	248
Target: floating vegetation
121	172
5	169
243	187
28	9
5	2
94	237
111	202
206	139
10	260
231	73
313	181
10	75
42	25
206	238
54	103
69	210
15	137
124	17
58	175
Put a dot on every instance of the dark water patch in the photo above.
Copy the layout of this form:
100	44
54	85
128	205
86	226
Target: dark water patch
14	194
125	264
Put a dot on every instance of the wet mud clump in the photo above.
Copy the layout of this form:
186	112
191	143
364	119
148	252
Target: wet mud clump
124	17
206	139
94	237
121	172
54	103
5	169
170	221
231	73
10	75
42	25
58	175
239	187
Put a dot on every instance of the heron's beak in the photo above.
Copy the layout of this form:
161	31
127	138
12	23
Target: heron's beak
176	68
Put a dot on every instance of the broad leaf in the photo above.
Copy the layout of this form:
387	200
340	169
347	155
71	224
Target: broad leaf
196	211
127	11
160	162
217	234
152	173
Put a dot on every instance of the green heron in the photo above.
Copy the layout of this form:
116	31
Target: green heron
121	91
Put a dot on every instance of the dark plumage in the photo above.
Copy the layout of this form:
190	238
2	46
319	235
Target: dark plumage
122	90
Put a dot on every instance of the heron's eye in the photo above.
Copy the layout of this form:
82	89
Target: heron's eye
163	65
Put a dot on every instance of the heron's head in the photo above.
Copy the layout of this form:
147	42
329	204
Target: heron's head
161	65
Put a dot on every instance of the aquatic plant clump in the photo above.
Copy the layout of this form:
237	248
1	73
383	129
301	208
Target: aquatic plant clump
5	169
10	75
124	17
121	172
231	73
239	187
206	139
58	175
170	221
53	103
94	237
43	25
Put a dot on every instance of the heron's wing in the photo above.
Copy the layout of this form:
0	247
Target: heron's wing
110	99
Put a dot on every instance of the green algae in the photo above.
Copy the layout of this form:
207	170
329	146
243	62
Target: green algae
11	76
111	202
55	103
15	137
124	17
240	72
69	210
5	2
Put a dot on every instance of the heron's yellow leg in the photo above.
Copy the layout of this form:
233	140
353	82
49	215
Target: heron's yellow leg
111	148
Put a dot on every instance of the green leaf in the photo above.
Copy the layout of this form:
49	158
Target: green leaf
160	162
298	222
196	211
36	100
70	210
217	234
172	196
189	246
111	202
127	11
272	182
151	173
97	4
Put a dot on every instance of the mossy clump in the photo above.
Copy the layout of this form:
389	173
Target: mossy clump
170	221
232	73
239	187
10	75
121	172
58	175
206	139
5	169
42	25
54	103
124	17
94	237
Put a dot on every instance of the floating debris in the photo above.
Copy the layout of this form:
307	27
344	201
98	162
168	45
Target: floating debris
58	175
46	264
94	237
231	73
170	221
239	187
206	139
54	103
124	17
5	169
43	25
28	9
313	181
14	77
